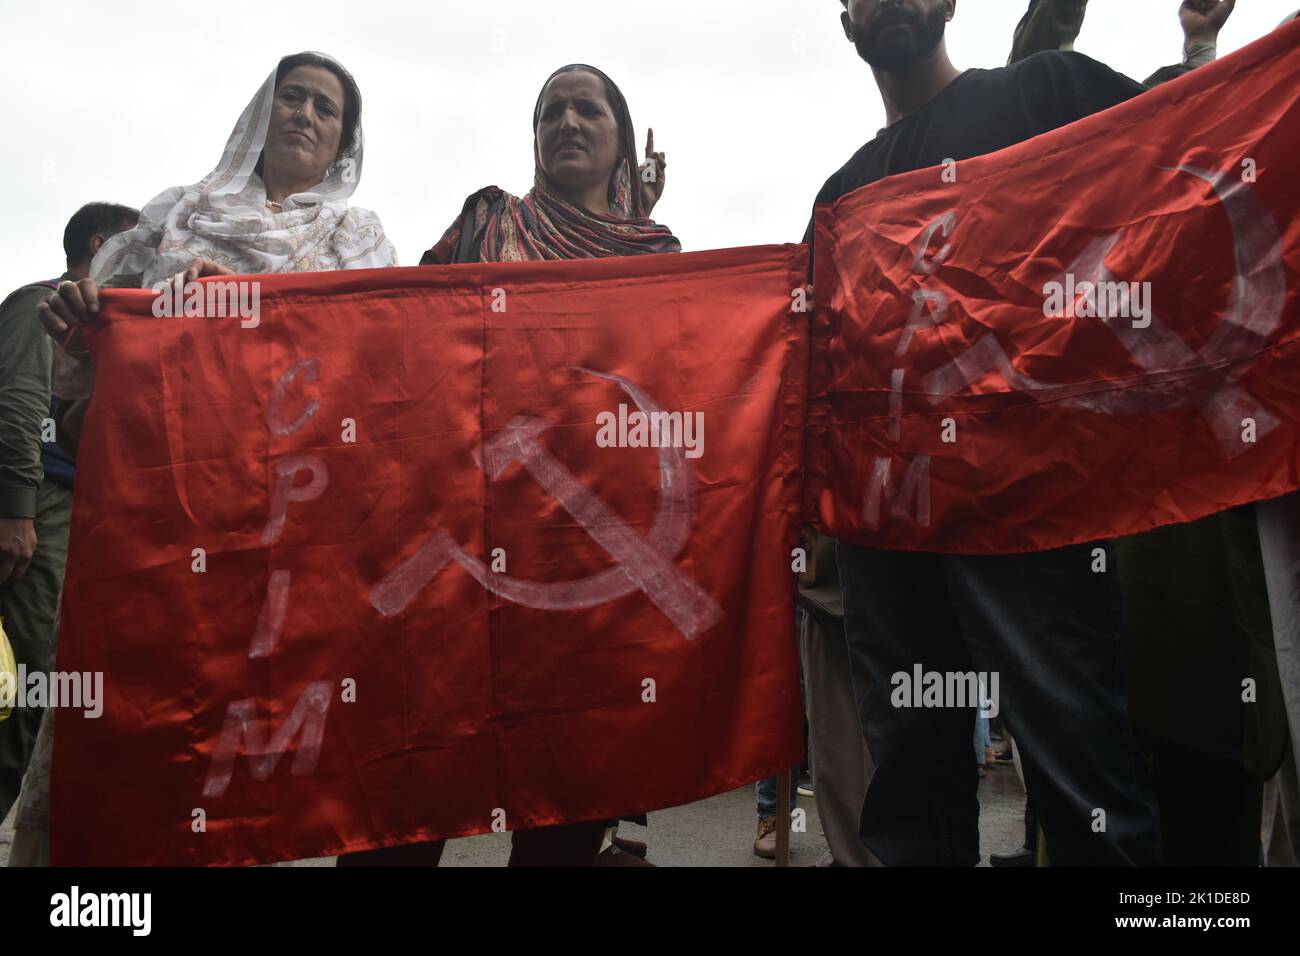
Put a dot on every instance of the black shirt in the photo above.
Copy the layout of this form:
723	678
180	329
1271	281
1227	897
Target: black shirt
983	111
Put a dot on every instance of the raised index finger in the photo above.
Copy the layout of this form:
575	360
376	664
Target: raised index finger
650	143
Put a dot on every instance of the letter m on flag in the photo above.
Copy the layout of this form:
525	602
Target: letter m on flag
307	719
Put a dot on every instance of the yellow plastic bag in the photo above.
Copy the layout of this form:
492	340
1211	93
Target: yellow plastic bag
8	675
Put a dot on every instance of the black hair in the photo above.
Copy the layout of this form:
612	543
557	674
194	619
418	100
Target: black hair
105	219
351	92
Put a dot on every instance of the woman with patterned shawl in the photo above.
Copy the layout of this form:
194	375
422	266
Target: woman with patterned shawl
276	202
589	200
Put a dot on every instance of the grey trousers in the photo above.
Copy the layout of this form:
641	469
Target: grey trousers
841	763
1281	836
1279	544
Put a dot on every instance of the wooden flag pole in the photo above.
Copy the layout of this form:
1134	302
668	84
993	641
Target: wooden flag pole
783	818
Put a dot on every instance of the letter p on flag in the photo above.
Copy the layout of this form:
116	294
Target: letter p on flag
286	490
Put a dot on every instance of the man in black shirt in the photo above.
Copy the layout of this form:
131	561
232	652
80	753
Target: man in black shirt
1045	623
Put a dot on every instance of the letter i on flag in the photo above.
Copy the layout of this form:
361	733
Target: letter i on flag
451	620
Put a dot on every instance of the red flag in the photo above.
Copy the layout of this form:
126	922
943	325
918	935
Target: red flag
1090	334
397	558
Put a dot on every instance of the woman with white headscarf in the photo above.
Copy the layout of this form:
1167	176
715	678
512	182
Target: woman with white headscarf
277	202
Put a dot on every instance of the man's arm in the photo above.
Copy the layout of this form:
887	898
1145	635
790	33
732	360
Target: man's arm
25	357
1201	21
24	405
1047	25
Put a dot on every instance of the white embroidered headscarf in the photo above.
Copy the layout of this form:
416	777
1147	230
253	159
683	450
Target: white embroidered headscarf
224	217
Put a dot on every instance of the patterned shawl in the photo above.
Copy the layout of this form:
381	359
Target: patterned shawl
224	217
544	225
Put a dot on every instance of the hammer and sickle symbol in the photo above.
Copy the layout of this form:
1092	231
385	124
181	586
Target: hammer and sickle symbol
1182	376
643	564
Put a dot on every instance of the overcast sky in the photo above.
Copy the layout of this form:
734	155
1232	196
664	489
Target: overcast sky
755	103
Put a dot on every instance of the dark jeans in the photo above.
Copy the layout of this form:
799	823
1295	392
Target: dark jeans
765	794
1050	628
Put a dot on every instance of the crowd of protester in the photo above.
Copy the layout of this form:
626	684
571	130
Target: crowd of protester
1188	773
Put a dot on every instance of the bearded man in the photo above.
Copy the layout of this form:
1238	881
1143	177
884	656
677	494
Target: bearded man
1045	622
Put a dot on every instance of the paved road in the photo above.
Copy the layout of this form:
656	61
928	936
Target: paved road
720	831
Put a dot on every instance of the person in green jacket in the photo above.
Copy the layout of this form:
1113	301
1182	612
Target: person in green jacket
1205	697
36	480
